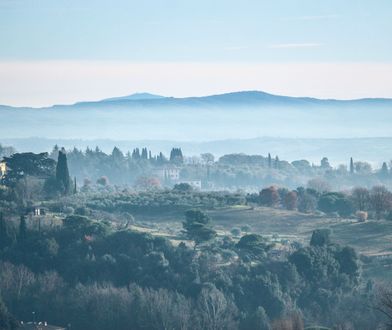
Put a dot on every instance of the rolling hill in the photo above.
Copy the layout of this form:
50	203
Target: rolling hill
234	99
238	115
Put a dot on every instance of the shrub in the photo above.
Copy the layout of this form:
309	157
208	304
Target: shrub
103	181
236	231
362	216
68	210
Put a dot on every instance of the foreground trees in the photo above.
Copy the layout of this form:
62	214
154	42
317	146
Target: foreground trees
253	247
384	304
7	321
197	226
94	277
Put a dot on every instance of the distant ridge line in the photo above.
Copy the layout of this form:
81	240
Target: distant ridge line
230	99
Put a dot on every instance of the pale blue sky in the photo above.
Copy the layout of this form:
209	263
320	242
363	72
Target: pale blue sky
203	31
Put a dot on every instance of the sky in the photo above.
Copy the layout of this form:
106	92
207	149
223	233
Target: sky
63	51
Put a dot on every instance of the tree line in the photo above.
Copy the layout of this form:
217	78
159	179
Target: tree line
374	203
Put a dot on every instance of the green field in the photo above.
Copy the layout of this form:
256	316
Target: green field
372	239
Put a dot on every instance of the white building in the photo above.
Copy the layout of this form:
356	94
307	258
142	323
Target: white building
171	173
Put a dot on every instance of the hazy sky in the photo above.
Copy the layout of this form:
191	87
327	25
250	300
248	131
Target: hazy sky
63	51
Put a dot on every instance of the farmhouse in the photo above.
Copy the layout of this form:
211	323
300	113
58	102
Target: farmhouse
171	173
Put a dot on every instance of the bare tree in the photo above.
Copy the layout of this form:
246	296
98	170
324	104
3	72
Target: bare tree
381	200
384	305
319	184
291	322
166	310
216	312
360	197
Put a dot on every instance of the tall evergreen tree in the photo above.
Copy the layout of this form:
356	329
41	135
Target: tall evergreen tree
351	166
136	154
144	153
75	188
6	236
384	170
325	163
176	156
276	164
3	232
22	229
161	159
117	155
269	160
62	173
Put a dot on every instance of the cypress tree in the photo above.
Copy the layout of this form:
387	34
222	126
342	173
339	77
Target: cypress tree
161	159
351	166
144	153
176	156
62	173
276	162
269	160
22	228
6	236
117	154
3	232
75	190
384	170
136	154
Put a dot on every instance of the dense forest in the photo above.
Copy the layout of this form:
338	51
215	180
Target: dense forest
73	253
229	172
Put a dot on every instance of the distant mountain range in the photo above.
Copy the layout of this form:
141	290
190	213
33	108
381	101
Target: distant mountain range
239	115
235	99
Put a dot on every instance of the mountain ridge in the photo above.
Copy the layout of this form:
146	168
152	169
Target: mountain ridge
231	99
135	96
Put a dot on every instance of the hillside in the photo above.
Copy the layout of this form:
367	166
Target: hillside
241	115
233	99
